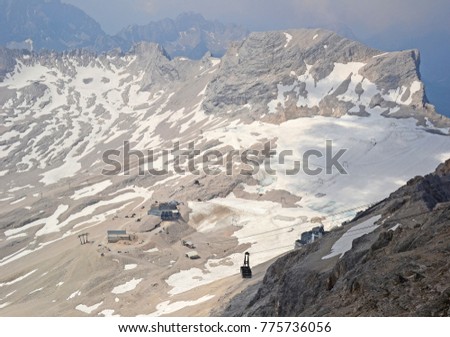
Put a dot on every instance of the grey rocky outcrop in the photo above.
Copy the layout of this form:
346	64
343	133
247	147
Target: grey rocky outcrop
252	69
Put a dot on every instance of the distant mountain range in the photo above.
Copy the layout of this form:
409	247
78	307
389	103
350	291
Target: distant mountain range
53	25
188	35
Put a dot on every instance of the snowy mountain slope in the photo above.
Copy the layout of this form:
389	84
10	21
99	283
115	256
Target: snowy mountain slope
61	112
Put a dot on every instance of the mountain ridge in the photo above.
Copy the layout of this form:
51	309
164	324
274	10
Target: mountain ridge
54	25
188	35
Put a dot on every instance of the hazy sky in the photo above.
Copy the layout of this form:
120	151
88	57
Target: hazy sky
365	17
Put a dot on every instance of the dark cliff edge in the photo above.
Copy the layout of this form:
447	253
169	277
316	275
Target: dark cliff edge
402	268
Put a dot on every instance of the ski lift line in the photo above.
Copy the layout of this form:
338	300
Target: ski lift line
253	235
432	186
342	216
351	209
271	249
395	219
224	241
339	219
298	224
356	230
410	216
272	235
257	234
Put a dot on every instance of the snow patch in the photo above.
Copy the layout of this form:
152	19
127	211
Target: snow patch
395	227
126	287
201	93
36	290
380	55
91	190
17	279
51	223
166	308
17	201
86	309
215	61
152	250
73	295
288	39
67	169
344	243
107	313
130	266
15	189
17	236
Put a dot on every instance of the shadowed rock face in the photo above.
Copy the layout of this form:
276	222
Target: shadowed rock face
401	269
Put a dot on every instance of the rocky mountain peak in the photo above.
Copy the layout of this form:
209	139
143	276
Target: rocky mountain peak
310	72
444	169
149	50
187	20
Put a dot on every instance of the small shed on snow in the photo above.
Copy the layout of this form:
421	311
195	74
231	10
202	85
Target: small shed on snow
193	255
117	235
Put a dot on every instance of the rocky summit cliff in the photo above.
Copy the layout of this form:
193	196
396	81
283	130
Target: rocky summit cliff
310	72
401	267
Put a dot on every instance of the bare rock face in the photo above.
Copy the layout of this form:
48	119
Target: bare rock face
400	269
316	72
